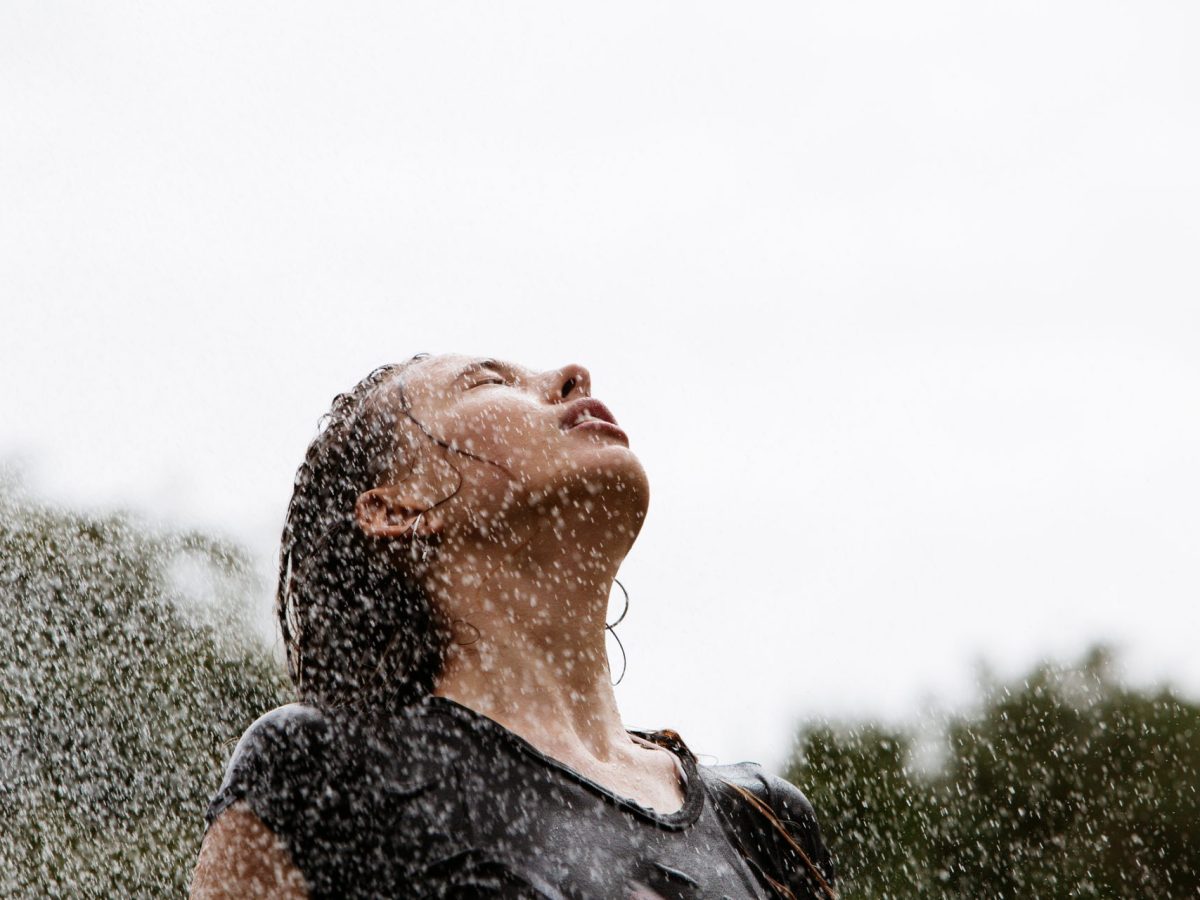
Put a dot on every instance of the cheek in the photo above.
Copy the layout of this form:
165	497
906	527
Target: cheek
517	437
527	442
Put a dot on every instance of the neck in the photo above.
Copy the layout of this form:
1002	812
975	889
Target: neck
528	647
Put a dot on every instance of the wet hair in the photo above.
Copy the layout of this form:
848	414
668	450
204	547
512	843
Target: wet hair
358	628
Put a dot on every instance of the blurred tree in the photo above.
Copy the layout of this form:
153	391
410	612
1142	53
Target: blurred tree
874	816
1064	784
127	668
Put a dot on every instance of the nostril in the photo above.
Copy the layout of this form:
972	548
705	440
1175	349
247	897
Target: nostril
568	386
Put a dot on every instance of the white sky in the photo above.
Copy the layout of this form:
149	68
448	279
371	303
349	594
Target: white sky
897	302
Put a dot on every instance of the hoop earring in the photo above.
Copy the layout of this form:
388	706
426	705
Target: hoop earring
611	628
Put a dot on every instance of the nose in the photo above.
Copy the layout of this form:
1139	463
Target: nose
568	383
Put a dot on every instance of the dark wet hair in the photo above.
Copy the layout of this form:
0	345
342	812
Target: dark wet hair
357	626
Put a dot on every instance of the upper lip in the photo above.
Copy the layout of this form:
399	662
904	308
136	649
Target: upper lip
586	406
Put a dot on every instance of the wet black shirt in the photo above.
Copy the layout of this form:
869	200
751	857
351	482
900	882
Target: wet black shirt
441	801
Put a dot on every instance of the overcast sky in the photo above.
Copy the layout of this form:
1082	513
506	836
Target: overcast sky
898	303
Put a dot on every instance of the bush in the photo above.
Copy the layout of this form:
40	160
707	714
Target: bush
126	670
1064	784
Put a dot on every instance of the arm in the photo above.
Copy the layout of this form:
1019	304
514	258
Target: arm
242	857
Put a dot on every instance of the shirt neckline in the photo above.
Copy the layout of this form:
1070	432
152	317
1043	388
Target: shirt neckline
693	791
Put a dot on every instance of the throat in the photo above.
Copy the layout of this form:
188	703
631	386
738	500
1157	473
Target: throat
563	705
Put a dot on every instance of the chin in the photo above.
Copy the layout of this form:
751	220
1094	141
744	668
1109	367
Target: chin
607	479
614	464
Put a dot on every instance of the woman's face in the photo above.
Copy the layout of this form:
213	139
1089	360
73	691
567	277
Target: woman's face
520	439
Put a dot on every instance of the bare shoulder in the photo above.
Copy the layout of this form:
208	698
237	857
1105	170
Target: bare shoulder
242	857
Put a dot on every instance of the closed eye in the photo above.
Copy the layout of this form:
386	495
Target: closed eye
487	381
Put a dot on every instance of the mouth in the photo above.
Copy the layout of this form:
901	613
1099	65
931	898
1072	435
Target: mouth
589	414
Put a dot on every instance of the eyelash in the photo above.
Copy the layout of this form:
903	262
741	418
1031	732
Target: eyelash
488	381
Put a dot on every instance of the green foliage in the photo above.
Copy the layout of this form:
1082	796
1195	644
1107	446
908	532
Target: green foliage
125	674
1066	784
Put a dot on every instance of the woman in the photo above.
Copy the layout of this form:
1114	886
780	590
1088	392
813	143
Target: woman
445	570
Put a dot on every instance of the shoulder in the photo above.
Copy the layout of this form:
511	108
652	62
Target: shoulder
353	795
278	755
293	733
785	800
285	726
790	846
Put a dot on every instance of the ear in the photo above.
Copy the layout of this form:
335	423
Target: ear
391	512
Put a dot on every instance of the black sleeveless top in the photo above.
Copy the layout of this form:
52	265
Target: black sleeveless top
438	800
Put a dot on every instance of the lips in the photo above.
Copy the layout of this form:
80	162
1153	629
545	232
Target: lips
589	414
586	409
